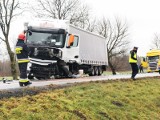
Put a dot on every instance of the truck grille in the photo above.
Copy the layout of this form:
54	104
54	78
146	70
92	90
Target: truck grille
42	71
153	66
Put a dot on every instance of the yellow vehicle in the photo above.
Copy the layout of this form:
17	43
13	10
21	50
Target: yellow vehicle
152	61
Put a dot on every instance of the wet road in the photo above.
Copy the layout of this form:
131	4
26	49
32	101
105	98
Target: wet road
37	83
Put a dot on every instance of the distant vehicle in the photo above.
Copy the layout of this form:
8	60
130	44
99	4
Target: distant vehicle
51	41
152	61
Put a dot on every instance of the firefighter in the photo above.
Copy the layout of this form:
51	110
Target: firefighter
133	62
22	56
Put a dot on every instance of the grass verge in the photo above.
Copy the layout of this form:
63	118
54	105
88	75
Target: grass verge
111	100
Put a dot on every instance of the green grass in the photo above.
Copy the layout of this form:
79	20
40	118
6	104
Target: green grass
117	100
118	72
8	78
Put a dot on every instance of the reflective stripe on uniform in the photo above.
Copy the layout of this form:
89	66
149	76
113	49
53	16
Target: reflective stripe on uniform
18	49
132	60
23	80
23	60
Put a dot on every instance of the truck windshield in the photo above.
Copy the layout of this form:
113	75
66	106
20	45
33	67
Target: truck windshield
153	58
46	39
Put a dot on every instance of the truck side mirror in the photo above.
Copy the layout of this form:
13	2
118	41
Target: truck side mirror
70	41
29	32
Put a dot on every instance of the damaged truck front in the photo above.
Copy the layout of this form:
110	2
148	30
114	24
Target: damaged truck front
54	44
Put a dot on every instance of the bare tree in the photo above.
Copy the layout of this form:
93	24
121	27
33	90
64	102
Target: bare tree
7	13
71	10
156	41
80	17
91	25
117	43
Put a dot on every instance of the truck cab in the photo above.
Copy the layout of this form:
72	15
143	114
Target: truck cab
47	47
153	60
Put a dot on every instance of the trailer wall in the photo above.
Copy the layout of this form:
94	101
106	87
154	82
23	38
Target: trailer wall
92	47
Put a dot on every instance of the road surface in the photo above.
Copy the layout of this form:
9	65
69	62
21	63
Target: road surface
37	83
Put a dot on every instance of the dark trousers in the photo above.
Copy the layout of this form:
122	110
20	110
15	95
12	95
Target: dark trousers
141	70
134	67
23	70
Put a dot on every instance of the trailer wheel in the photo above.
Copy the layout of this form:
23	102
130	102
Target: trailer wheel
92	73
96	70
100	70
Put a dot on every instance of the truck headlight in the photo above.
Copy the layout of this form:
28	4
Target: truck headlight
57	53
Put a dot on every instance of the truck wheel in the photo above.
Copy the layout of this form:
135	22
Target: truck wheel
96	70
92	73
100	70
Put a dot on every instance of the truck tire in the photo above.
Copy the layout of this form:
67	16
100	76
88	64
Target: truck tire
92	73
96	70
100	70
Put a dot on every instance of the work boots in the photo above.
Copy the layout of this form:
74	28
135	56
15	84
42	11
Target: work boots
25	83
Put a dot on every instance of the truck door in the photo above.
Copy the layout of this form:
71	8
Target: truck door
72	49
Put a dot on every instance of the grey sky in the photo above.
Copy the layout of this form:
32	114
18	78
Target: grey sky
142	17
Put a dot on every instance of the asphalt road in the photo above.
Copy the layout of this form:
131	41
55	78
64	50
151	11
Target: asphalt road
37	83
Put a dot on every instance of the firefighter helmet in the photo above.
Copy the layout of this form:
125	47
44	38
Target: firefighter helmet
21	36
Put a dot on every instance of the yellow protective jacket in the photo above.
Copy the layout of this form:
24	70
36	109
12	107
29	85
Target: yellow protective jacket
133	57
22	52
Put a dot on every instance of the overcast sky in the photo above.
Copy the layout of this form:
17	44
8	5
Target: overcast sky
142	16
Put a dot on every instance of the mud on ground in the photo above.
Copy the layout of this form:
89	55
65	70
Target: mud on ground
20	92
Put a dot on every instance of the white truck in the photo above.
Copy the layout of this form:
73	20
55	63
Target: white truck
56	43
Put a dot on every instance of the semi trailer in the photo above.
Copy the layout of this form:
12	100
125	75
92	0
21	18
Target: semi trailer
55	44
